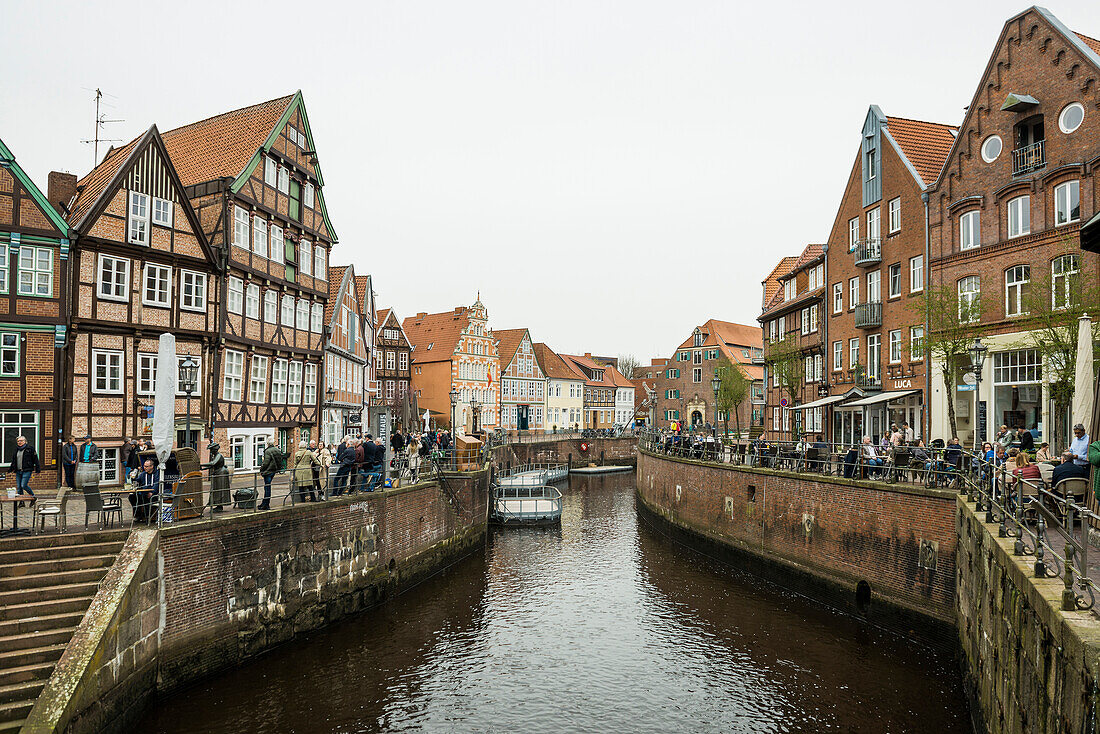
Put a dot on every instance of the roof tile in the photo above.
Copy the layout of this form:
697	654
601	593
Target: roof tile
925	144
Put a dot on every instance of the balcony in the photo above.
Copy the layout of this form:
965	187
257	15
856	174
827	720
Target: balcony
866	381
868	251
869	315
1029	158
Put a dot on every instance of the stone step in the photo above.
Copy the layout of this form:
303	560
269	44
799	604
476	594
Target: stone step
33	640
12	726
29	624
75	604
15	711
38	580
56	565
15	658
24	673
24	691
47	593
29	555
58	540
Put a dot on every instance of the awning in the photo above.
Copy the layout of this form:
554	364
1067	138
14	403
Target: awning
1090	234
882	397
819	403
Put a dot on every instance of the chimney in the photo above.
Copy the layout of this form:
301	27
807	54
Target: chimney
422	315
60	190
588	355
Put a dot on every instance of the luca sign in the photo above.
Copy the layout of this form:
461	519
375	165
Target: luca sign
903	384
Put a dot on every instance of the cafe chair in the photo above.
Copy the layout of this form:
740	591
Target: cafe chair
54	508
105	509
1074	488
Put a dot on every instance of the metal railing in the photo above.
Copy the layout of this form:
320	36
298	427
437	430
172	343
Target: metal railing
526	504
1029	158
868	315
868	251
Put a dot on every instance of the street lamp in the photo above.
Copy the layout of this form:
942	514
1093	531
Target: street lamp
475	407
977	358
454	406
189	370
715	384
330	398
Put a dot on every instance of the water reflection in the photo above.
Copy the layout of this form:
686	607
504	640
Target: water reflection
601	624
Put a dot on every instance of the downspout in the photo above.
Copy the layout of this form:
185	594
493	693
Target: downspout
927	412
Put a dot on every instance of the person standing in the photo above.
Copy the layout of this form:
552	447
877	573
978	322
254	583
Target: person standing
362	462
69	454
345	457
270	465
324	457
23	460
1027	441
304	463
1079	446
397	443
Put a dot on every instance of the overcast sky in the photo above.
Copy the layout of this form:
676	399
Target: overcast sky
608	174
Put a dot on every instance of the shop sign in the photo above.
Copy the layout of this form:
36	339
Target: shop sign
903	384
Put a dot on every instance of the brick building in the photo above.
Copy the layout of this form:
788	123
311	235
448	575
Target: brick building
684	390
1006	213
254	179
347	355
456	350
393	366
522	382
876	267
34	263
143	267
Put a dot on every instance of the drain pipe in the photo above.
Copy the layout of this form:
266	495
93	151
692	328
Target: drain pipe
927	412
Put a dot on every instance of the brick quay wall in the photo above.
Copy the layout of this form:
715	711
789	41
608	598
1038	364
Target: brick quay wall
226	590
622	451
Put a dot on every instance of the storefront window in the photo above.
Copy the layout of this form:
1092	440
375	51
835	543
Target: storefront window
1017	390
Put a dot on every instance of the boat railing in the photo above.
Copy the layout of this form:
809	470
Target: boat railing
531	467
527	504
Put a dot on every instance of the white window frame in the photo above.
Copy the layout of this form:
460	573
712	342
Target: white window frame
307	194
894	214
853	233
874	223
1064	196
284	180
234	300
271	307
838	356
137	219
874	286
853	352
252	301
159	206
1061	279
853	292
838	297
271	171
10	350
305	257
259	235
1019	216
309	385
257	380
970	230
35	271
301	311
241	236
113	361
403	361
233	367
286	310
916	343
916	274
893	341
160	278
4	271
970	296
1017	278
892	281
276	243
316	318
118	285
192	290
294	384
320	262
279	373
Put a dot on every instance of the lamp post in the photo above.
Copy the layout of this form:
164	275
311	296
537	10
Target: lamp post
475	407
188	374
716	384
977	358
454	406
330	398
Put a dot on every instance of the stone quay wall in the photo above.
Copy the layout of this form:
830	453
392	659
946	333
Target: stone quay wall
623	451
886	552
186	601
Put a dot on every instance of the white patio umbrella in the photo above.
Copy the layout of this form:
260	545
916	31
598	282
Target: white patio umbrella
1083	395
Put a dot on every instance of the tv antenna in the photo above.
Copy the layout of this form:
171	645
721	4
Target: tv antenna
100	122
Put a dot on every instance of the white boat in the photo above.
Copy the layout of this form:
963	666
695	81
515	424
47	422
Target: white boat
532	475
537	505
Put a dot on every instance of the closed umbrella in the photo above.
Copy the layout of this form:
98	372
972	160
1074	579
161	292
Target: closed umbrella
1083	397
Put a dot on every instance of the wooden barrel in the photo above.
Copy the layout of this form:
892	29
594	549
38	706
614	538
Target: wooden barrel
87	474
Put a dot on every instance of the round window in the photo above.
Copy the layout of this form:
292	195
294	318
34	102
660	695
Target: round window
991	148
1072	117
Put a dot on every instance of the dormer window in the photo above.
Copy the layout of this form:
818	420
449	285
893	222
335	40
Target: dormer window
698	338
1030	141
872	167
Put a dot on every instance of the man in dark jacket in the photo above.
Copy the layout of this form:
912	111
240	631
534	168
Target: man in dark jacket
69	454
270	465
1027	441
89	452
397	442
362	463
23	460
345	457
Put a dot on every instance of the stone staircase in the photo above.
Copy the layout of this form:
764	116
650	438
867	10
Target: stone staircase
46	585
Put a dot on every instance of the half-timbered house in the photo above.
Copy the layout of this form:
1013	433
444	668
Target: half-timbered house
34	252
522	382
142	268
253	177
392	363
347	354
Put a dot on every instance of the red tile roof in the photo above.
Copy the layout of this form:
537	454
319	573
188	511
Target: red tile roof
92	186
771	283
1091	43
579	362
509	342
553	366
441	331
223	145
362	290
723	333
925	144
335	280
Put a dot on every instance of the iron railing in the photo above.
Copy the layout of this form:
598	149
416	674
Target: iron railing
1029	158
868	251
868	315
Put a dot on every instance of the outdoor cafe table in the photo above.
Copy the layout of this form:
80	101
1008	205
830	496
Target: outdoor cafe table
15	529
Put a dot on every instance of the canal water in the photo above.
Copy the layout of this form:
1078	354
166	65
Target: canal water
601	625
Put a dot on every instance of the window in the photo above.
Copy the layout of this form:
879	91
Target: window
991	148
294	394
894	342
895	280
1071	117
838	297
390	391
106	371
813	320
138	221
391	360
305	258
35	271
1017	280
916	343
309	394
4	270
287	315
696	358
295	209
1020	366
278	381
874	288
838	356
853	233
874	343
158	286
697	375
894	209
162	212
192	290
278	244
13	425
1067	203
108	466
873	229
240	227
235	300
1019	216
252	301
805	314
969	294
319	262
403	362
259	236
113	283
259	445
257	382
970	234
234	375
916	274
284	179
9	354
316	316
271	171
853	352
853	292
670	374
1063	280
307	196
790	289
775	419
302	321
813	278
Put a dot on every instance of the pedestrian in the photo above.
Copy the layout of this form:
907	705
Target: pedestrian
907	431
305	461
324	456
270	465
413	453
89	452
345	458
23	460
362	462
397	443
133	459
69	454
377	469
897	438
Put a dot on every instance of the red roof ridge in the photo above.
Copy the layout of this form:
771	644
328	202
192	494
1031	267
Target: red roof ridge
287	97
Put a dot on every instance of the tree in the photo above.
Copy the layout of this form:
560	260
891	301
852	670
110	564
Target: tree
628	363
952	324
1054	302
732	391
784	362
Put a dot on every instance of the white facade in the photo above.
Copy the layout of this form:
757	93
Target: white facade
564	404
624	405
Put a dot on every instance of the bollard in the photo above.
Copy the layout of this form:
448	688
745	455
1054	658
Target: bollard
1040	566
569	461
1018	546
601	458
1069	597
